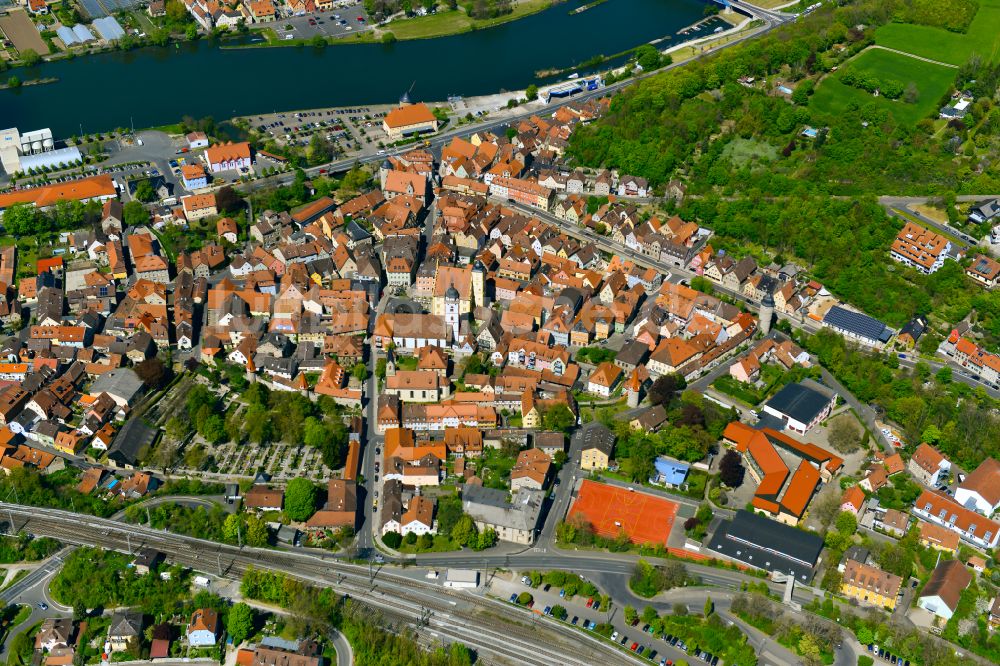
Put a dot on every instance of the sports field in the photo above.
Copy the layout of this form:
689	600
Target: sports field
983	37
646	519
931	80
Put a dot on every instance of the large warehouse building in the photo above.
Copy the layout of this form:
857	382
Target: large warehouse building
767	544
33	150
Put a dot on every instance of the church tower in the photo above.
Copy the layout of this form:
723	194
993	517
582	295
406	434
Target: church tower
452	310
478	284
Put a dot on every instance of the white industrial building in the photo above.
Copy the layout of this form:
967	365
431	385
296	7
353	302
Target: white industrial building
33	150
462	579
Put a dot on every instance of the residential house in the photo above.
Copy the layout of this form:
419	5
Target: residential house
981	489
203	629
596	446
928	465
514	518
940	538
870	585
984	270
936	507
943	590
262	498
920	248
531	470
125	630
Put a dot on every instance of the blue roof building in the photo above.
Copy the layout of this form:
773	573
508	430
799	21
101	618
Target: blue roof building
670	472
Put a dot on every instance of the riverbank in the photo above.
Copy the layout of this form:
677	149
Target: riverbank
457	21
440	24
726	20
232	84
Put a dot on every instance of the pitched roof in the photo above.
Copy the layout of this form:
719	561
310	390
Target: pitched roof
858	323
985	480
872	579
224	152
411	114
946	509
74	190
606	374
853	496
927	458
799	402
948	581
935	535
919	245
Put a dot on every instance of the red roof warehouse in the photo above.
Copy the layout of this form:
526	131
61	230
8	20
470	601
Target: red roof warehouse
644	518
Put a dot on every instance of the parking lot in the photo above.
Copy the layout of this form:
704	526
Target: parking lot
341	21
664	650
881	654
348	129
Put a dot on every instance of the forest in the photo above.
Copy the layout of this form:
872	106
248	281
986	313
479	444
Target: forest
960	421
765	189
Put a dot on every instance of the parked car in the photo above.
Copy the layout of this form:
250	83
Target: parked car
513	598
548	610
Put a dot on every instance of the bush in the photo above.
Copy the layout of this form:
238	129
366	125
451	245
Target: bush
392	539
524	598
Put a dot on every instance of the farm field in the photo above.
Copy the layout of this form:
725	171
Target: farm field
983	37
19	29
931	80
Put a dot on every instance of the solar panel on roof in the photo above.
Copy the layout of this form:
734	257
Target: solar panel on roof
858	323
94	8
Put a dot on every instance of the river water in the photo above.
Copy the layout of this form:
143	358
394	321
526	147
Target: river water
154	86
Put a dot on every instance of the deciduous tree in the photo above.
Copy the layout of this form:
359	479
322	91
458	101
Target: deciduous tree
300	499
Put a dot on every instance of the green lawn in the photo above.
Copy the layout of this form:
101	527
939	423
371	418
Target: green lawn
983	37
931	80
742	151
453	22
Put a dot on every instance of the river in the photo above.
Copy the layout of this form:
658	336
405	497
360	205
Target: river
155	86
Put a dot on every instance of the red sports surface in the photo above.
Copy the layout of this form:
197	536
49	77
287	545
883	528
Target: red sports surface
646	519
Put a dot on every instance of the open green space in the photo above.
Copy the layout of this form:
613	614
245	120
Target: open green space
932	81
982	37
457	21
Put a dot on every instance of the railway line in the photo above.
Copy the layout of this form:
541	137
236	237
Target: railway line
501	633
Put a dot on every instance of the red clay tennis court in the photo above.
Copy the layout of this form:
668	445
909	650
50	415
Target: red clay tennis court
610	509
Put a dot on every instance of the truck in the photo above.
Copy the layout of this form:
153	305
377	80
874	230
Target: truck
202	581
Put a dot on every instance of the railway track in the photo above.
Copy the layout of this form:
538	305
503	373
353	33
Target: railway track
482	624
